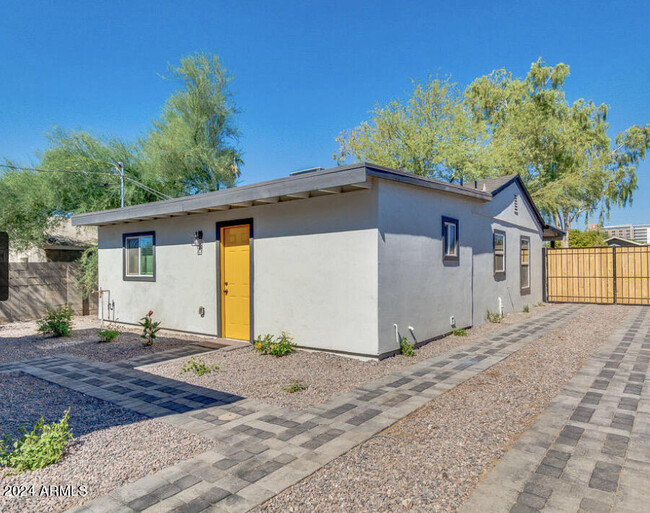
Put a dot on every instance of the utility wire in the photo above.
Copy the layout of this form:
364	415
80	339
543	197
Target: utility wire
21	168
82	171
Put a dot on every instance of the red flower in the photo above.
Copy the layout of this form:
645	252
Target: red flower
150	313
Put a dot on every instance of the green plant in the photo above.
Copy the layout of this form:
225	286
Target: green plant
41	447
539	304
268	344
198	367
108	334
296	385
149	329
494	317
459	332
406	348
57	322
526	308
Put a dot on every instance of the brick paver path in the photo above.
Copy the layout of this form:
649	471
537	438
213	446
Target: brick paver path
265	449
589	451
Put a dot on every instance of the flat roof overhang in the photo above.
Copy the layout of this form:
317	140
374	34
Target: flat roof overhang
313	184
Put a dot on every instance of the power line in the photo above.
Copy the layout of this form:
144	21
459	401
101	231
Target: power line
82	171
119	173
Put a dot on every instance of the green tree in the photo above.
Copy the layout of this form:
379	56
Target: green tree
191	149
431	134
587	239
562	151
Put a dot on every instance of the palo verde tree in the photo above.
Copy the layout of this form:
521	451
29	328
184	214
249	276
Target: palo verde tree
562	151
430	134
190	149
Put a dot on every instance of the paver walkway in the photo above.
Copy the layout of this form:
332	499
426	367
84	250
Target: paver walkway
589	451
265	449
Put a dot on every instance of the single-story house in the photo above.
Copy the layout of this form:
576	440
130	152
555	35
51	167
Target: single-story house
620	241
64	244
347	260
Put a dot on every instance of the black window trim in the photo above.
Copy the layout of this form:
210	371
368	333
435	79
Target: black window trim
502	272
126	277
445	257
524	290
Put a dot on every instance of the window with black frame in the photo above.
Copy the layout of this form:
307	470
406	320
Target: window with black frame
450	238
524	261
499	247
139	256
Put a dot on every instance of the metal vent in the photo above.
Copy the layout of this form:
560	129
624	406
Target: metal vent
517	204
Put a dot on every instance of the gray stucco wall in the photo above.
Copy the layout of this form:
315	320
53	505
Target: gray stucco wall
338	271
417	289
315	271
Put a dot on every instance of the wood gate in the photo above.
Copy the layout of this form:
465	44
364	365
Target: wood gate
605	275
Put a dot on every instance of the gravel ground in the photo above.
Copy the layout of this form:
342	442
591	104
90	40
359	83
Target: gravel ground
112	446
20	341
247	373
433	459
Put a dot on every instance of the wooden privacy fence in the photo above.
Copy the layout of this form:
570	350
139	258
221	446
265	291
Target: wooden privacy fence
598	275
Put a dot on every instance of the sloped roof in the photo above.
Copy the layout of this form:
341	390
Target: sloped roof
300	186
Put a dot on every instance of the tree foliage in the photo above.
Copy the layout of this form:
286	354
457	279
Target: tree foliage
190	149
431	134
503	125
587	239
562	151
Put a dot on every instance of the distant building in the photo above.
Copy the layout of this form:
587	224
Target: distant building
638	232
618	241
65	244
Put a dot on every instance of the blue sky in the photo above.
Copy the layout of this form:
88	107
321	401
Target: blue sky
304	70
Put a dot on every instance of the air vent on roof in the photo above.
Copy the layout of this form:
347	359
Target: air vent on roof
308	170
517	204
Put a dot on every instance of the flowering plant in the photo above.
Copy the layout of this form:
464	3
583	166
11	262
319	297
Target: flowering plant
149	328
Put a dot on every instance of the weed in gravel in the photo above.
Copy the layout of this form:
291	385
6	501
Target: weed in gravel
149	329
459	332
108	334
296	385
41	447
57	322
526	308
494	317
198	367
406	348
268	344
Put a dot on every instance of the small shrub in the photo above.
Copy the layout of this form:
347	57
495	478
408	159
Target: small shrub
296	385
149	329
198	367
526	308
57	322
494	317
41	447
459	332
108	334
406	348
268	344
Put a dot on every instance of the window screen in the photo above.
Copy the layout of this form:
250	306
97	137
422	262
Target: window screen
139	255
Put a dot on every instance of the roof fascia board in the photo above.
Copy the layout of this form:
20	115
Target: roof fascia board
337	177
419	181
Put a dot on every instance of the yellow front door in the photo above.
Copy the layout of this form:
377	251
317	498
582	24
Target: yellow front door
235	282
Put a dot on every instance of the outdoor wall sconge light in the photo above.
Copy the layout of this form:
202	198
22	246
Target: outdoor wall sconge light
198	241
201	311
